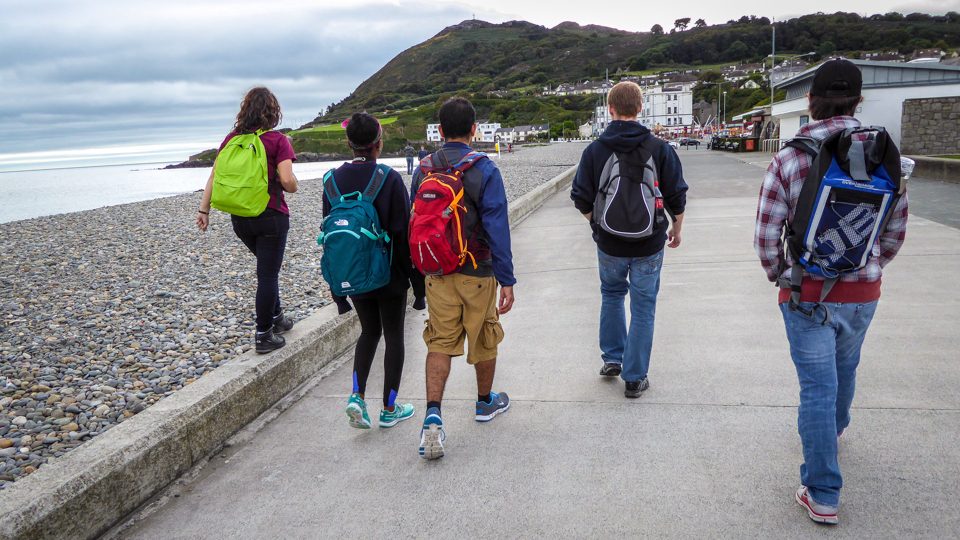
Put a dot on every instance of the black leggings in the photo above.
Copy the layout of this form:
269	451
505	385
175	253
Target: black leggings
380	316
266	237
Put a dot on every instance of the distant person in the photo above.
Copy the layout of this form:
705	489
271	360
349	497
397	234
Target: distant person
626	183
261	220
381	311
422	153
409	152
827	304
462	290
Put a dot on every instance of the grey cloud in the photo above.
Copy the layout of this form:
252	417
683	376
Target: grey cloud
75	73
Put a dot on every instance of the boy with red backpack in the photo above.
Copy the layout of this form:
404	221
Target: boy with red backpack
460	239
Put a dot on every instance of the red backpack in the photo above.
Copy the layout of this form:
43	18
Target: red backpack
438	245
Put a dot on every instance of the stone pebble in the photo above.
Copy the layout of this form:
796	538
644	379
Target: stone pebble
105	312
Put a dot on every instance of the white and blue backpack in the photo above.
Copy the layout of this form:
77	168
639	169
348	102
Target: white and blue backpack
848	196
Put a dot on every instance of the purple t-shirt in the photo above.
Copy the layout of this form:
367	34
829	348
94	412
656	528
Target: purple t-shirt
278	149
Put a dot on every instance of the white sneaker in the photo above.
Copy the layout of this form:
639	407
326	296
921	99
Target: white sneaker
432	437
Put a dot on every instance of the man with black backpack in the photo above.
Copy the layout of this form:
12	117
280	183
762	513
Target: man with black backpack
627	182
832	213
460	239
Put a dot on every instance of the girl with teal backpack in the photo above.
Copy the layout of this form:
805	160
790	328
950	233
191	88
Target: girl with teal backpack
253	170
366	257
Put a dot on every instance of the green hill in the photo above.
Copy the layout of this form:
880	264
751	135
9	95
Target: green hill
518	58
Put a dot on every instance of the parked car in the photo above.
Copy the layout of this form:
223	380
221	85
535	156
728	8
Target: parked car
687	141
674	145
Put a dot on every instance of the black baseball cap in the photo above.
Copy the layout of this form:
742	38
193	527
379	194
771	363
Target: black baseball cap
837	78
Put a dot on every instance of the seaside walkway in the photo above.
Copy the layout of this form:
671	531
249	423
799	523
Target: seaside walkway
710	450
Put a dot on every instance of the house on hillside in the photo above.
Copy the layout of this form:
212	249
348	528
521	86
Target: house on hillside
433	133
750	84
786	70
926	55
884	56
886	85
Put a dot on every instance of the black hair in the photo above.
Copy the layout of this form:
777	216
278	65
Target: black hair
457	117
822	107
363	133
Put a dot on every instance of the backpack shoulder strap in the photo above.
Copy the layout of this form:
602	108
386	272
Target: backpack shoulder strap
330	187
469	160
806	145
376	183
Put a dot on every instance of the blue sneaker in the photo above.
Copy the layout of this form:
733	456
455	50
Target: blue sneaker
498	403
432	436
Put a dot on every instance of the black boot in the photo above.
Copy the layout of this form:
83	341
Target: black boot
269	342
282	324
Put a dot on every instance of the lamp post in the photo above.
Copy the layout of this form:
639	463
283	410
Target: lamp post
724	108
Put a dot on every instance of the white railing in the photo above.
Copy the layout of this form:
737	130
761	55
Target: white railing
771	146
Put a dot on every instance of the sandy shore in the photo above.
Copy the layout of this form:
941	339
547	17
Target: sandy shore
104	312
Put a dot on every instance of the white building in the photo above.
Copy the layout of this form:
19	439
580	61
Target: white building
669	106
885	87
486	132
433	133
601	119
522	133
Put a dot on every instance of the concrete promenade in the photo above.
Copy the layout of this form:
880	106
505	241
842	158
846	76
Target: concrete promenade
710	450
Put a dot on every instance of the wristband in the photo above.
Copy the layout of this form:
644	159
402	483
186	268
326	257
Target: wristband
204	213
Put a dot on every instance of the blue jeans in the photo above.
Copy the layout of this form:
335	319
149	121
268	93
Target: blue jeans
826	357
409	165
641	277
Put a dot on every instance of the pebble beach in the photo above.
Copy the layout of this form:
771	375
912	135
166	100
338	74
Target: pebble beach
104	312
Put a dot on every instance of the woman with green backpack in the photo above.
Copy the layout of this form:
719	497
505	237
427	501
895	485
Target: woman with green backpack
366	215
253	170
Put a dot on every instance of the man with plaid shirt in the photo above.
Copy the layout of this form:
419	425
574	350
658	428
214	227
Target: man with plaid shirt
825	353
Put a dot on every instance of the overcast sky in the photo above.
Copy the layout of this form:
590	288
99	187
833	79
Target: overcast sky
162	77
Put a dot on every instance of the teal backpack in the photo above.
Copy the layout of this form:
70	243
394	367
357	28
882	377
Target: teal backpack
240	177
356	250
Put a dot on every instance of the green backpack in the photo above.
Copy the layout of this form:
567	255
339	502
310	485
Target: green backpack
240	177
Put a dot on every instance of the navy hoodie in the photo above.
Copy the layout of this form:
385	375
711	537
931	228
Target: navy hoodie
623	136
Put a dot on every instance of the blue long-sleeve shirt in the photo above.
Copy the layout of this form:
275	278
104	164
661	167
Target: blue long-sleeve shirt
493	209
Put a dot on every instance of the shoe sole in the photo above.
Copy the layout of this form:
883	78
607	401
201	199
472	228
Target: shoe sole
355	414
431	447
489	417
267	351
819	518
613	372
394	422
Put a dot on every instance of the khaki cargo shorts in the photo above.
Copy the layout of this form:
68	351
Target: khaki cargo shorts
463	307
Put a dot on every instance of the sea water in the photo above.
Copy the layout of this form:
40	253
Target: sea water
28	194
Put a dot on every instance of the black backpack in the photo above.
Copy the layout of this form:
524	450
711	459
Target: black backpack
848	196
629	204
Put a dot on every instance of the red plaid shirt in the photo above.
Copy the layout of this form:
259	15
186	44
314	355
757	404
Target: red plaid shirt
778	199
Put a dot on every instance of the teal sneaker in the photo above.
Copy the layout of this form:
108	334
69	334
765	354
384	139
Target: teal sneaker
400	412
357	412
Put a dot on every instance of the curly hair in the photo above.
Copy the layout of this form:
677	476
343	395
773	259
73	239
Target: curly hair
259	110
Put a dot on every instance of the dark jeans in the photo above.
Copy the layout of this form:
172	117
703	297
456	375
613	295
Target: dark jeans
266	237
409	164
